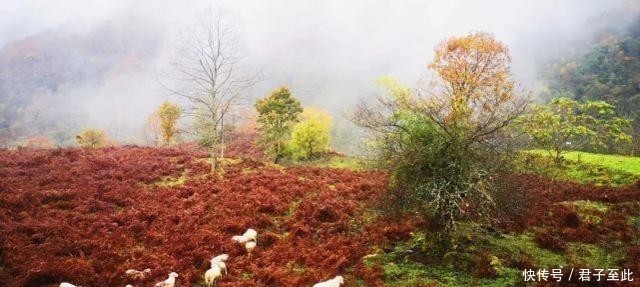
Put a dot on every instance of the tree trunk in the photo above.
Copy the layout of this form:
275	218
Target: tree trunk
558	158
222	140
278	153
214	160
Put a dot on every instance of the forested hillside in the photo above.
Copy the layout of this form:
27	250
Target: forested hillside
609	70
36	74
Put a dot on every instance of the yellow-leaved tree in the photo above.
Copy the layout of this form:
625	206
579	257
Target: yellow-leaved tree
93	138
168	114
310	137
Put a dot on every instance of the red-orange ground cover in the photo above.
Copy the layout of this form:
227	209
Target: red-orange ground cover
557	224
86	215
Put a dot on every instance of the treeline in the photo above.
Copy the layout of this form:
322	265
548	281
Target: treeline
286	130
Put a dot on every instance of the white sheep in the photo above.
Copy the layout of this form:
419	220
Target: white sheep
249	235
335	282
138	275
169	282
219	260
221	257
249	246
212	274
65	284
222	265
129	285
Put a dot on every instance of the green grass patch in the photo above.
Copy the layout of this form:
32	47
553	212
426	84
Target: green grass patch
406	274
335	161
409	274
513	246
591	256
351	163
635	221
403	267
582	167
627	164
420	261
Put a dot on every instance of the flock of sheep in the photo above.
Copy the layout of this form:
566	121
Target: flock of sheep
218	266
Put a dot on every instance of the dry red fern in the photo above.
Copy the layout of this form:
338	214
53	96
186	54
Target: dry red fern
87	215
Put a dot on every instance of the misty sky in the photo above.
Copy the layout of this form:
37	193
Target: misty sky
328	52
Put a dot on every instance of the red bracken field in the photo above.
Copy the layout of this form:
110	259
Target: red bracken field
87	215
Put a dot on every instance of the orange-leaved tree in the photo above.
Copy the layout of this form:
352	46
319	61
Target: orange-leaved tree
442	143
475	95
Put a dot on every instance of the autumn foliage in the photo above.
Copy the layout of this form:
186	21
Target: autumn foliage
556	224
442	144
87	215
168	114
92	138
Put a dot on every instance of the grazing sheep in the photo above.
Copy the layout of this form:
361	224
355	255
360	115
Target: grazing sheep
249	235
221	257
335	282
219	260
212	274
222	265
65	284
129	285
170	282
138	275
249	246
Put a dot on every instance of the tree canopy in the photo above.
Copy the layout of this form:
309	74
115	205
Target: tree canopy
93	138
310	137
566	123
168	114
277	114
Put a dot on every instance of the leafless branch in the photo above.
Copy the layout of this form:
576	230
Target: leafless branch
208	73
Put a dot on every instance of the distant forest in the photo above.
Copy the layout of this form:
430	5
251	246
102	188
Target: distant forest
609	71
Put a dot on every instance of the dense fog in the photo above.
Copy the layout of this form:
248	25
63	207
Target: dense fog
70	64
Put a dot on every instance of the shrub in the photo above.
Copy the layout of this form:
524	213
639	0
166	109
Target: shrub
92	138
442	148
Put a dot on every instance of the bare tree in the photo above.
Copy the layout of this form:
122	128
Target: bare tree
151	130
208	73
